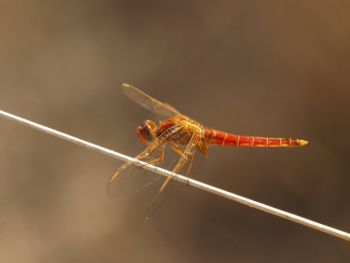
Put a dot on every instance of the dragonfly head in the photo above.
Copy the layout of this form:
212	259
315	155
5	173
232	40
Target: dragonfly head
147	132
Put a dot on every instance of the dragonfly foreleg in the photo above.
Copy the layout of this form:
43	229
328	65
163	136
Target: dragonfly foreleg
180	152
159	142
191	162
184	158
175	148
160	159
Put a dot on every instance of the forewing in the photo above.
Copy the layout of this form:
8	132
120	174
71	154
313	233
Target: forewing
124	181
148	102
130	181
183	166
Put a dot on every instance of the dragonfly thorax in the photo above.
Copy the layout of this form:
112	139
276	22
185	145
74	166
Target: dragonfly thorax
147	132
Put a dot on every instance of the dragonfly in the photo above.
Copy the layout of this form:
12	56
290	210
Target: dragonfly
184	136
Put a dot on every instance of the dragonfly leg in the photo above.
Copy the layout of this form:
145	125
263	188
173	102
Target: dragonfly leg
175	148
160	159
190	165
141	156
183	160
177	168
148	152
180	152
168	184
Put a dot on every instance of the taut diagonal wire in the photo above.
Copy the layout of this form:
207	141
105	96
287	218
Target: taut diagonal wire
214	190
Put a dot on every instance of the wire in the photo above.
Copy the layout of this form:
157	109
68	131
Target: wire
197	184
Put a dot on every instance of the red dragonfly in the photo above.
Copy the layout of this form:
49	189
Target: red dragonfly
185	136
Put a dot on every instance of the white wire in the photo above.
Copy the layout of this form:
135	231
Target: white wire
214	190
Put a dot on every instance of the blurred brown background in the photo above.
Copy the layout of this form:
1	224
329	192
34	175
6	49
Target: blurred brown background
265	68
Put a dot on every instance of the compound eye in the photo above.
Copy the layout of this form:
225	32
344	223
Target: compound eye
146	132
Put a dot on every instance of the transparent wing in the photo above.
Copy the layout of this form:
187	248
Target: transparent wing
123	180
148	102
129	180
184	164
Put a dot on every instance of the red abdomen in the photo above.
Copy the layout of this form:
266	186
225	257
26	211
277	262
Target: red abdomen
227	139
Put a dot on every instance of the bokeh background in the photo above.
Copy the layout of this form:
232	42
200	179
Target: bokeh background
268	68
